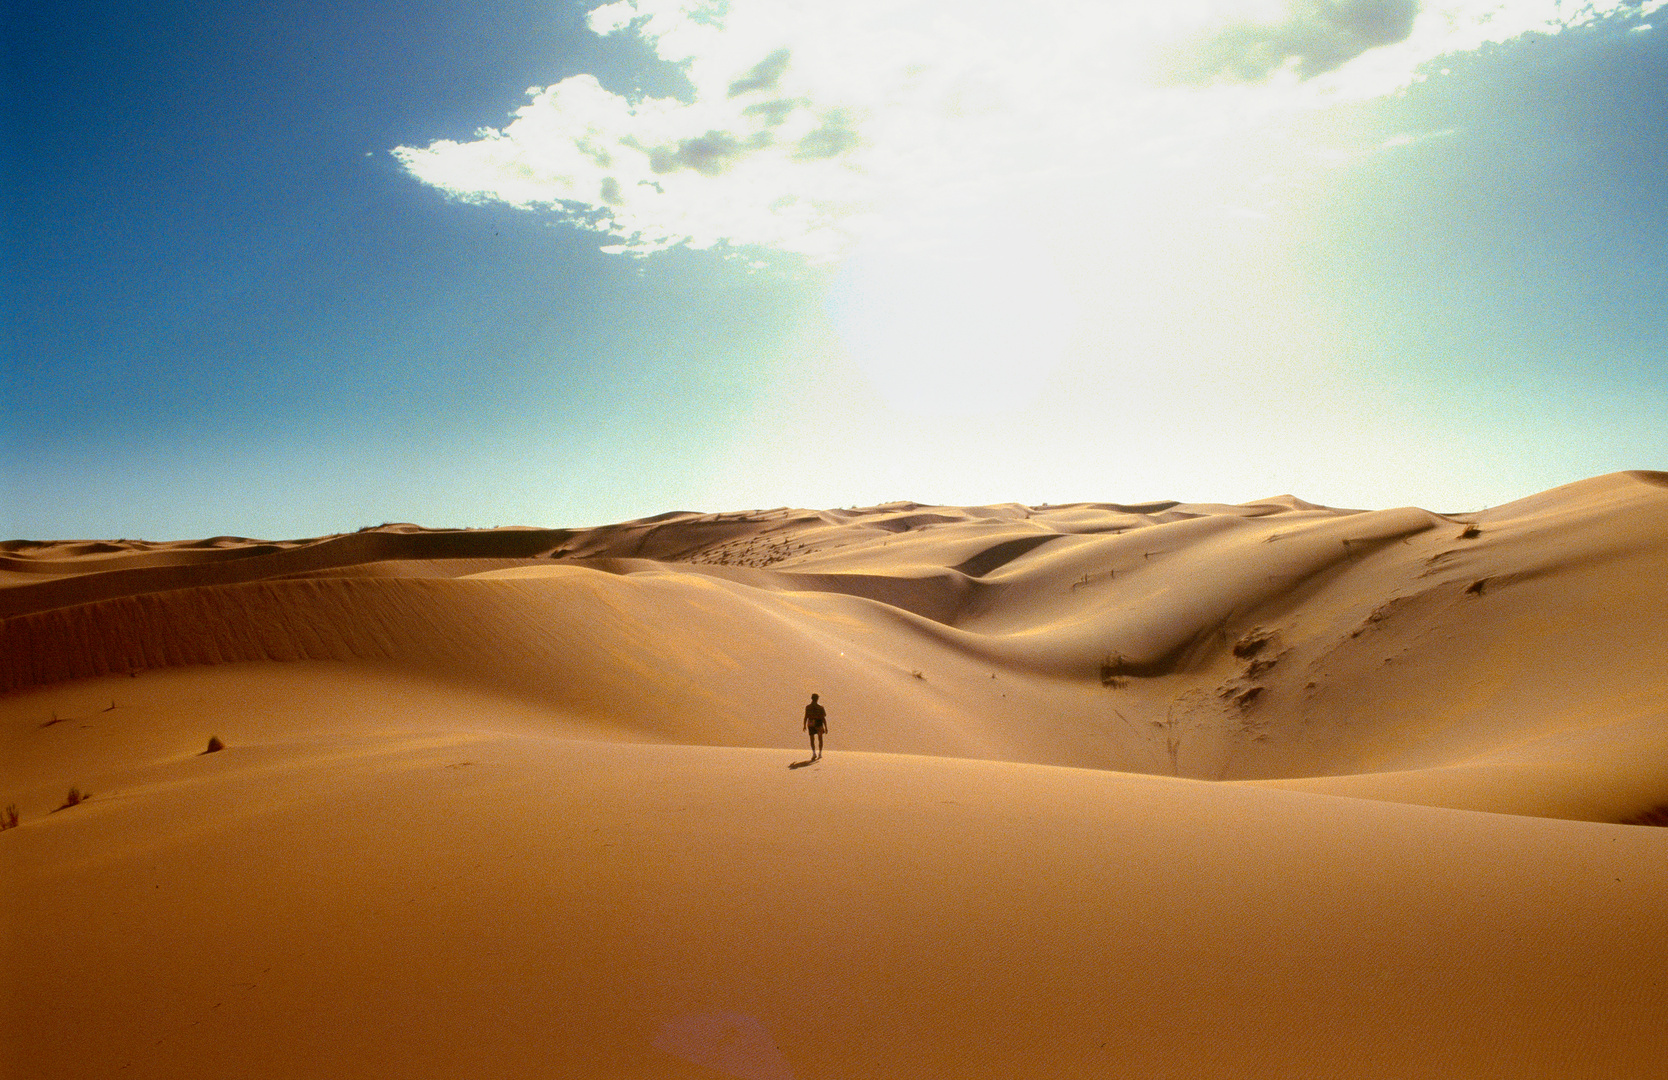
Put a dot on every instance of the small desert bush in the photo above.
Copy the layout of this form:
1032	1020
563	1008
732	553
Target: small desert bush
75	798
214	744
9	819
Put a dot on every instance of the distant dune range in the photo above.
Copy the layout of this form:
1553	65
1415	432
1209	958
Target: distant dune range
1174	789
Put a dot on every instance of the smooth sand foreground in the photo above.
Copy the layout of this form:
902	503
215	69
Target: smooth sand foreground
1271	790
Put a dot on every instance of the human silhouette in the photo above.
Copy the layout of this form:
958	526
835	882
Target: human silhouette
816	722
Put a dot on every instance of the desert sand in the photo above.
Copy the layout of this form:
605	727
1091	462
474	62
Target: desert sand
1171	790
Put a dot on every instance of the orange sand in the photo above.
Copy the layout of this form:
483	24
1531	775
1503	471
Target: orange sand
1272	790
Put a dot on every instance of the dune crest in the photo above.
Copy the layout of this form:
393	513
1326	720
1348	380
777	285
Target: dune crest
1274	641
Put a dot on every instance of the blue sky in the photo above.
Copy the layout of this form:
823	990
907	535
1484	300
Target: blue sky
264	273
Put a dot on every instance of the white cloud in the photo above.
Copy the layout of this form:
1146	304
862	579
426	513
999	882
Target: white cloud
813	125
1310	38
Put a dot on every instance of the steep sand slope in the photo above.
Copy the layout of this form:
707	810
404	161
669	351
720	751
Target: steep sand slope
519	802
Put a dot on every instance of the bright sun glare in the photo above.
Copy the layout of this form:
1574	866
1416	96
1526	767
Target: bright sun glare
961	326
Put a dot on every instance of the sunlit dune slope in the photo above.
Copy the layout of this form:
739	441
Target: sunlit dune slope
1520	649
491	905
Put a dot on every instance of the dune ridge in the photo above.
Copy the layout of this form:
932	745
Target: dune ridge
1274	641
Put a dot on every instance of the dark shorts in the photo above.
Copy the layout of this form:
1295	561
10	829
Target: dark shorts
818	728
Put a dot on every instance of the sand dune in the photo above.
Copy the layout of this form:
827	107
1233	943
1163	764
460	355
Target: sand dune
1170	789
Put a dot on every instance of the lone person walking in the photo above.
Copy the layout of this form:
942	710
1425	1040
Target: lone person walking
816	722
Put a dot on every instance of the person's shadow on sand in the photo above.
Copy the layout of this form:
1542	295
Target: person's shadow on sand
802	764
